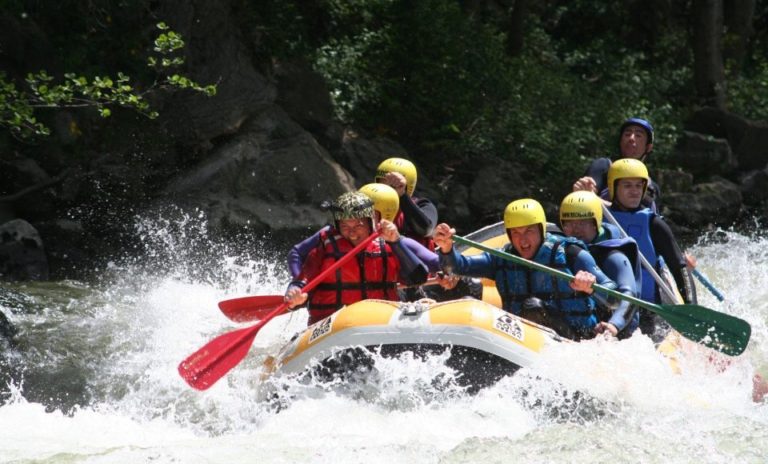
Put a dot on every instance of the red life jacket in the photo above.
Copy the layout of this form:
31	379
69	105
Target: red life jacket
399	221
373	274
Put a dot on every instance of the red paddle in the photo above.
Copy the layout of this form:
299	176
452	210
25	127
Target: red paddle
249	308
207	365
257	307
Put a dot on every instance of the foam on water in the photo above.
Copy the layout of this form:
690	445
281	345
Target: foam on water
97	379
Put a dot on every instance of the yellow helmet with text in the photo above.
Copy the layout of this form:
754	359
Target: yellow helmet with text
525	212
404	167
582	205
385	199
626	168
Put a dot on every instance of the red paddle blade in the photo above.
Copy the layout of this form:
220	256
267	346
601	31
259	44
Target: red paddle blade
211	362
250	308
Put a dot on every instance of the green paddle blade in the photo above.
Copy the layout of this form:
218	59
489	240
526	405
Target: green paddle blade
716	330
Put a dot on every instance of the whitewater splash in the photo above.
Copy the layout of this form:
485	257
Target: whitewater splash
93	378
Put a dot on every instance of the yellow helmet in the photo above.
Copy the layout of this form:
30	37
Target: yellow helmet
626	168
404	167
582	205
525	212
385	199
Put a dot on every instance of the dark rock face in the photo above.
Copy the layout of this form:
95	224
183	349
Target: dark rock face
702	154
22	256
265	151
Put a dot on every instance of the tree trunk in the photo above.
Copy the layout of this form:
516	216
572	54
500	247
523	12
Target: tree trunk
709	74
739	15
516	29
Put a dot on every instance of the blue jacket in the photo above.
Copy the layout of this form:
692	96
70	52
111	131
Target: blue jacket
516	283
618	258
637	225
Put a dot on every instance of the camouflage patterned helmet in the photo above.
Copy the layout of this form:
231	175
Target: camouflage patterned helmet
352	205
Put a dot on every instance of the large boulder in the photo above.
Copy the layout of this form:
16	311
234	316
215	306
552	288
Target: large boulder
702	154
304	95
494	186
748	139
272	176
22	256
754	186
215	54
716	202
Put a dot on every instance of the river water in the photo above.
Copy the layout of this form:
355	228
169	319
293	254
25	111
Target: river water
92	378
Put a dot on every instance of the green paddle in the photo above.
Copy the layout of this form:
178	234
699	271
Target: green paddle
720	331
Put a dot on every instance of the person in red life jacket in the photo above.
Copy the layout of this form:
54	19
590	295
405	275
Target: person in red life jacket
386	204
417	217
635	141
374	274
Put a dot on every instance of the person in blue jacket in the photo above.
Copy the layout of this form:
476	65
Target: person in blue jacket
581	216
627	183
566	307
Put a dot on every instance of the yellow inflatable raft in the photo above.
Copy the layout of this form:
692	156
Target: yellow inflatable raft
486	343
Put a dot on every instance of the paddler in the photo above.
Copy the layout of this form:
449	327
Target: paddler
417	216
377	271
627	183
567	308
581	216
636	142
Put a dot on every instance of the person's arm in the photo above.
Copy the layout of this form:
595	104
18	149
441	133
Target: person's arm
665	244
618	266
481	265
412	270
298	253
598	170
584	261
421	216
429	258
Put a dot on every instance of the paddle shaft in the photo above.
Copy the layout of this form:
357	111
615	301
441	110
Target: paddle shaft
648	267
256	307
703	279
556	273
207	365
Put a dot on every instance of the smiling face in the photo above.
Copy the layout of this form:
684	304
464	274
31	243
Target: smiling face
634	142
526	239
355	230
629	192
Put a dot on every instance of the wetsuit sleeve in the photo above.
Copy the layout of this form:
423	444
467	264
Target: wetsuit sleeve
585	262
651	198
421	216
412	270
298	253
427	257
618	266
598	170
666	246
481	265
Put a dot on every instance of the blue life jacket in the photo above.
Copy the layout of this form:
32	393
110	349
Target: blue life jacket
611	240
515	283
637	225
607	242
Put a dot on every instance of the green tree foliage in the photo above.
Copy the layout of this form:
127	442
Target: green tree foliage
19	105
438	78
